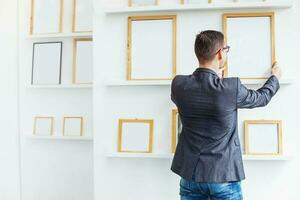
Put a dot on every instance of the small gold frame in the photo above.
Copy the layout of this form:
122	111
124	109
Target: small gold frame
279	132
74	20
43	117
120	129
130	3
81	124
74	66
32	18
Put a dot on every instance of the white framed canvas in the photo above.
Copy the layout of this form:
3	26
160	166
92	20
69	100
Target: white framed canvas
251	38
135	135
176	128
43	126
73	126
151	37
46	16
46	63
82	16
83	61
263	137
142	2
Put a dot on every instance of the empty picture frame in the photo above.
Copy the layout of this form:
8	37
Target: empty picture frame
252	40
176	128
151	47
82	16
135	135
46	63
263	137
142	2
46	16
73	126
43	126
82	61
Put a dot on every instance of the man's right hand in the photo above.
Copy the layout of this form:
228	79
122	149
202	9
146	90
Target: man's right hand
276	71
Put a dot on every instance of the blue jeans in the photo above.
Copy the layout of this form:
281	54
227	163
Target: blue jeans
190	190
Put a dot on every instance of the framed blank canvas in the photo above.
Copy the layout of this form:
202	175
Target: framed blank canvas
43	126
176	128
263	137
73	126
46	63
82	16
252	40
46	16
83	61
151	47
142	2
135	135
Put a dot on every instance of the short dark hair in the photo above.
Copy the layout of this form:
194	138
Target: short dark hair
207	43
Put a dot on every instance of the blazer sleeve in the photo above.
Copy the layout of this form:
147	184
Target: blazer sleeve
248	98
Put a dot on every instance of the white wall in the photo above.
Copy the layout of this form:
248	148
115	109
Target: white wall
9	142
53	169
136	178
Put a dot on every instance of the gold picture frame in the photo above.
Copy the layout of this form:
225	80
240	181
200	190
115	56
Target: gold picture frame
74	66
226	16
74	20
129	44
43	118
184	1
32	19
70	118
130	3
248	123
175	127
150	122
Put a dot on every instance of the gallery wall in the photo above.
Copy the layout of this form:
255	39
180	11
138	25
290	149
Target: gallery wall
56	166
149	177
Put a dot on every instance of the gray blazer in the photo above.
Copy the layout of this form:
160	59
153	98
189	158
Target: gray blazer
208	148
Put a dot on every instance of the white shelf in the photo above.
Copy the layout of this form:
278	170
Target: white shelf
139	155
168	82
62	86
56	137
170	156
137	83
61	35
209	6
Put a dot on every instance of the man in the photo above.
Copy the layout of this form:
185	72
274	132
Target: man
208	154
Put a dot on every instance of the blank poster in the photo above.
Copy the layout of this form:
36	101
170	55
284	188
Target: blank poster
46	63
152	50
250	39
83	66
263	138
142	2
43	126
46	16
73	126
135	137
83	16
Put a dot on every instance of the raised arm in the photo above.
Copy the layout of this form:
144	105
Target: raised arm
248	98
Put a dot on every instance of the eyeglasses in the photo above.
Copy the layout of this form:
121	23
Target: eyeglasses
226	49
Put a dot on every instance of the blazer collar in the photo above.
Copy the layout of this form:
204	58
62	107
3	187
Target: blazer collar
205	70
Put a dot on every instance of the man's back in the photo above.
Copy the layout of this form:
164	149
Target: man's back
209	149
